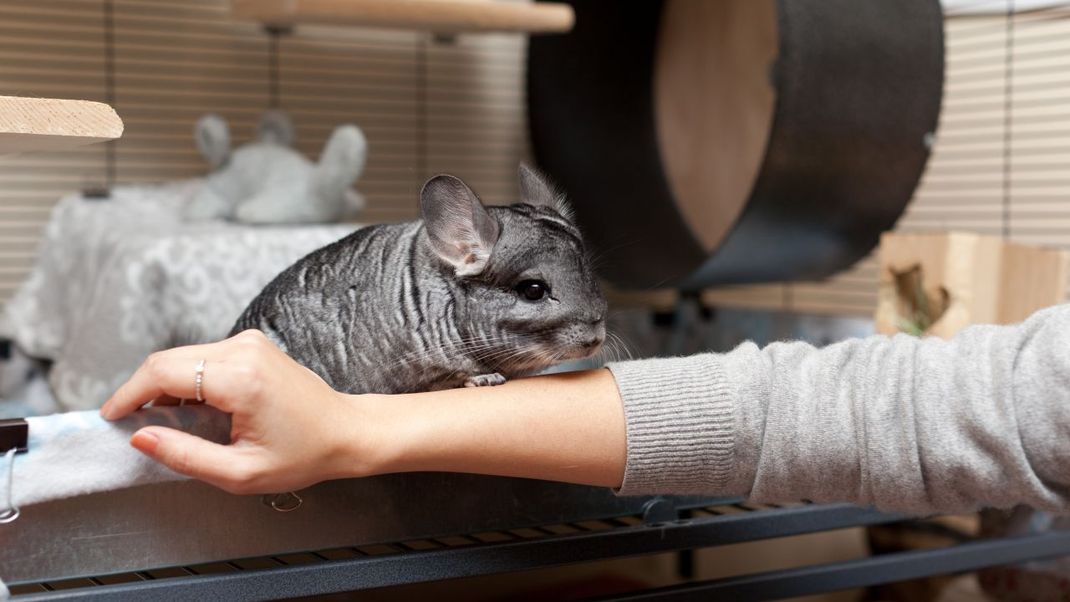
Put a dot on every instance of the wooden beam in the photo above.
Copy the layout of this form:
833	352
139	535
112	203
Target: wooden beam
440	16
49	124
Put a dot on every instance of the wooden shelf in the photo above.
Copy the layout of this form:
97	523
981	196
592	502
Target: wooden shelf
440	16
49	124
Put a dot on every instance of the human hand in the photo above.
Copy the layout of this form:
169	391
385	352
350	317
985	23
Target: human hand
289	429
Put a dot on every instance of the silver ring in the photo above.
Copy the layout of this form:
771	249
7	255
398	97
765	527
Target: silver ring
198	379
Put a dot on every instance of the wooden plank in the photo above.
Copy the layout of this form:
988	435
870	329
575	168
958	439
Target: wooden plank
440	16
46	124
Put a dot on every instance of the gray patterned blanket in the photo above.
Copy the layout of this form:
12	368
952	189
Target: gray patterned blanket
117	279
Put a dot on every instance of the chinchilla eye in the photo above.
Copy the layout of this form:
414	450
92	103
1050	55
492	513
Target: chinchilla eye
532	290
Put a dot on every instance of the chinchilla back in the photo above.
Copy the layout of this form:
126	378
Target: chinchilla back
343	310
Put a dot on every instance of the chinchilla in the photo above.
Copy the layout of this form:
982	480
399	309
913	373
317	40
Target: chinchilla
468	295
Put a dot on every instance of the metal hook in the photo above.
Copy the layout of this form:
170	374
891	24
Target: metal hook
12	512
283	502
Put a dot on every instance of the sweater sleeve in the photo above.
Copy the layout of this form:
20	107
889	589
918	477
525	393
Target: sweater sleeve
903	424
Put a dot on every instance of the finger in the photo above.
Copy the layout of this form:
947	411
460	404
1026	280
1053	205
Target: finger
168	400
169	374
219	465
154	379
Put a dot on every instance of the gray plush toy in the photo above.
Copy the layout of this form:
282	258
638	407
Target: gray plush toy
268	182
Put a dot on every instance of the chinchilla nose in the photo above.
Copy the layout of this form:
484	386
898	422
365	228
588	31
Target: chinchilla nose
597	333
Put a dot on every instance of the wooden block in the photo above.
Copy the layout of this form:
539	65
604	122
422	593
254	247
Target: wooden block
963	278
48	124
440	16
1032	279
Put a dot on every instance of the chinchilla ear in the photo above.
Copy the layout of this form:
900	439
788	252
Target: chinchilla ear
536	189
461	231
213	139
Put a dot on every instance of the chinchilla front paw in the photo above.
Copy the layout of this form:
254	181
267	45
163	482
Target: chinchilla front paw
484	380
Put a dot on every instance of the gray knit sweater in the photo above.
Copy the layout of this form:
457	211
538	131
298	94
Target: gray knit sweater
904	424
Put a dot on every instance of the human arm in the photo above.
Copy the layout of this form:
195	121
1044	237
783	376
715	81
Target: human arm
919	426
290	430
914	425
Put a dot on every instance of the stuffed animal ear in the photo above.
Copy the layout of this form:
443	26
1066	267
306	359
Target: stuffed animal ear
340	164
459	227
213	139
275	126
536	189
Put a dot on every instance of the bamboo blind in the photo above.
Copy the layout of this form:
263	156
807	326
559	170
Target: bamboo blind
999	161
426	106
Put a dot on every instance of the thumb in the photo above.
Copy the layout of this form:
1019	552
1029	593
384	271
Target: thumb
189	455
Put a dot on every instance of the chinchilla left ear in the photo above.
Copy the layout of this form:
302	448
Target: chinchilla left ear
459	228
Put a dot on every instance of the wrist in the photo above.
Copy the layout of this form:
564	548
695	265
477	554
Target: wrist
354	450
374	435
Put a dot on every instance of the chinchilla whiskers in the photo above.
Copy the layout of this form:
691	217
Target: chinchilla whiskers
609	352
422	355
465	346
496	349
553	357
504	358
501	357
623	344
481	348
614	349
595	259
444	352
598	256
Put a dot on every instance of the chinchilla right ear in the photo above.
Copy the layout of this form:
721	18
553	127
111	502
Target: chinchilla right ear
213	139
536	189
459	228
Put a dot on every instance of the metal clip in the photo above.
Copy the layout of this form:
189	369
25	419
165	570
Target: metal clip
14	439
282	502
10	511
14	434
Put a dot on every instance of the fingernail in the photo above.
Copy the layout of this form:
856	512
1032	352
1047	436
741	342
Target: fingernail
145	441
105	411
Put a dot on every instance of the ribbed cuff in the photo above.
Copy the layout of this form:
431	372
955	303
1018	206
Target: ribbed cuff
680	425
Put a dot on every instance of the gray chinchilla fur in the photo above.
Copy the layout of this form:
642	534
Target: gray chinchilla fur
469	295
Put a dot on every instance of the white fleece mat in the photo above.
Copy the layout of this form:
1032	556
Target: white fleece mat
78	453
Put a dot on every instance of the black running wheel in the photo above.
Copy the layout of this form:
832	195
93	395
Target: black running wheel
736	141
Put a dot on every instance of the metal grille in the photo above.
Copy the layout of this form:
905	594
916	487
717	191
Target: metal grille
663	528
1001	157
727	522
